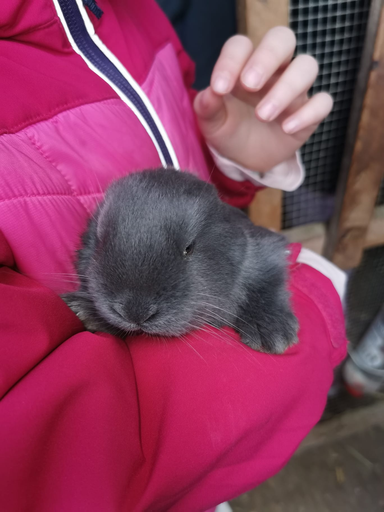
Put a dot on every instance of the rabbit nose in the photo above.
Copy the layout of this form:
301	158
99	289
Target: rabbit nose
119	310
148	316
141	315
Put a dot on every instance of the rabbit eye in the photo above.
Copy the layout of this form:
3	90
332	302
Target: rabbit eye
189	249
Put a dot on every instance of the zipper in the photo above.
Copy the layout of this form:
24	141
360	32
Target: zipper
93	7
100	59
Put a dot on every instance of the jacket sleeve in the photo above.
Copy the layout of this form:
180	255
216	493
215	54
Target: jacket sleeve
93	423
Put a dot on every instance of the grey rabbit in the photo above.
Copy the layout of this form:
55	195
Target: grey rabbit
164	255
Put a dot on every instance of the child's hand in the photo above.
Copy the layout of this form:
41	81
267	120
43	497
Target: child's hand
265	78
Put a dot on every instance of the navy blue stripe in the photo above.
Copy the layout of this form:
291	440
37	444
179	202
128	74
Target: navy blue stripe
93	53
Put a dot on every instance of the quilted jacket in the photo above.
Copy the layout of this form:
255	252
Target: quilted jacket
88	422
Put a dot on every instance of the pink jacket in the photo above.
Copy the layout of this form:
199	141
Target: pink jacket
88	422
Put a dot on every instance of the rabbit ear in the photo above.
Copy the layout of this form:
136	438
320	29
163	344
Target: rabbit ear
265	319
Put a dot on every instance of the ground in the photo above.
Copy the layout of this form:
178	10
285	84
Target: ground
339	468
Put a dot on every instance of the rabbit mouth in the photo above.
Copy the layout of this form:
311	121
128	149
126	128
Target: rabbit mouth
167	329
167	333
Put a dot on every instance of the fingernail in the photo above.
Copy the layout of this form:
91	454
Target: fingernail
291	126
252	78
221	84
267	111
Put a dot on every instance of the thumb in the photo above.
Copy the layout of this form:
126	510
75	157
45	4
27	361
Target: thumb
210	110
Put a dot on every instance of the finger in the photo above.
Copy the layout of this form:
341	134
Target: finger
253	98
275	50
210	109
234	54
309	115
296	80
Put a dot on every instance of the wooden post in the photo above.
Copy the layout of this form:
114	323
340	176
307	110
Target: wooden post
354	209
255	18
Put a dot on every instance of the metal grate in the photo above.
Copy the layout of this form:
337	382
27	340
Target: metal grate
333	31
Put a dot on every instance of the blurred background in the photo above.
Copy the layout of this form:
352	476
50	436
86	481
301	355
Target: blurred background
337	212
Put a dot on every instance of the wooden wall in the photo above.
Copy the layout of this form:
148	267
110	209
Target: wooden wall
356	222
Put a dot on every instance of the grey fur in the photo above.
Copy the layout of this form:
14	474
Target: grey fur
132	264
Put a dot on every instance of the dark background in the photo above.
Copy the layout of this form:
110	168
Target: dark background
203	26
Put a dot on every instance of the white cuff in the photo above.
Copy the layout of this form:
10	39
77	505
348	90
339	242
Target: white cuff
325	267
287	176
